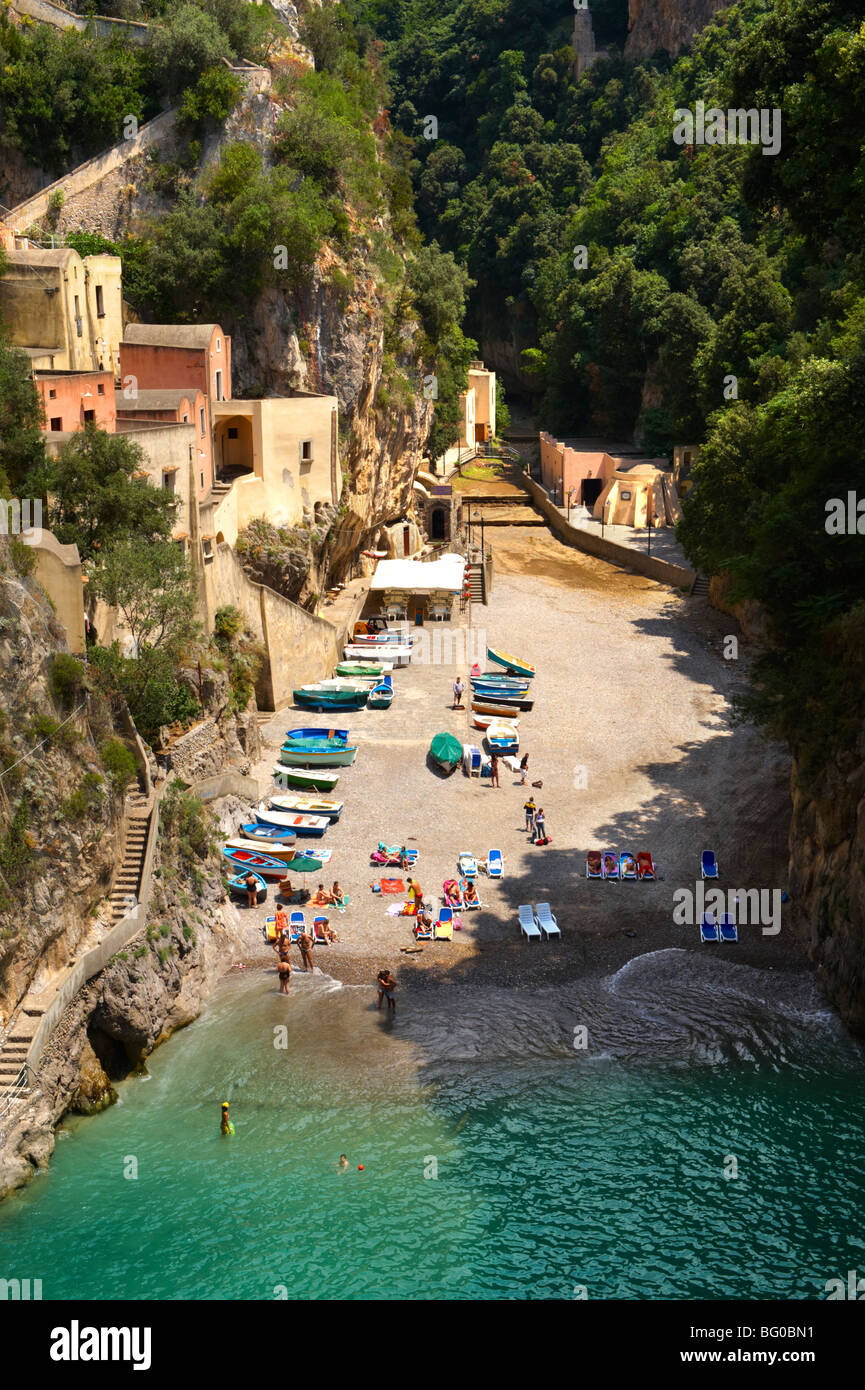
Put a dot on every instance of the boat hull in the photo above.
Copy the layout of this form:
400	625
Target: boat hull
295	735
511	663
267	834
321	781
330	699
301	805
292	820
501	705
237	887
381	698
370	669
265	865
294	755
275	851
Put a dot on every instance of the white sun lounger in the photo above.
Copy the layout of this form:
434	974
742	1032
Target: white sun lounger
495	864
546	921
528	926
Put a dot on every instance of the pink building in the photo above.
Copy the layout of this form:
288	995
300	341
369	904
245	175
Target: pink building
75	399
188	357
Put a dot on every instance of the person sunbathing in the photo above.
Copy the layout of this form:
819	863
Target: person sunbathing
404	861
322	898
471	894
337	897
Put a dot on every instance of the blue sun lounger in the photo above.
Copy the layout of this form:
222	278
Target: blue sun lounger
495	863
296	924
729	930
528	926
708	864
546	921
708	928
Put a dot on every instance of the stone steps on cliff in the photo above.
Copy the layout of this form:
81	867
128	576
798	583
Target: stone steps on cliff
700	587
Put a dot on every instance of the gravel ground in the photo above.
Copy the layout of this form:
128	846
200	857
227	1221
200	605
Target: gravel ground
631	737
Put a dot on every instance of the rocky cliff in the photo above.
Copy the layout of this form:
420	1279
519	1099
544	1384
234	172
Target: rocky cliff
666	24
827	879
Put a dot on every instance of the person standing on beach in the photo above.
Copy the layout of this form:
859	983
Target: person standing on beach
540	835
386	985
494	771
251	883
305	943
529	809
459	691
524	769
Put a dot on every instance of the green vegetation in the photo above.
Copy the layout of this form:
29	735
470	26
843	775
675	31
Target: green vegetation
243	654
119	763
68	679
16	852
729	282
22	443
84	801
187	824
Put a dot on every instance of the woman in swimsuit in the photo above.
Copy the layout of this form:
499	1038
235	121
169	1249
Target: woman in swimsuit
386	984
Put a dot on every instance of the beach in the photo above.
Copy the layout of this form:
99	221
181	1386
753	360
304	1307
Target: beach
631	736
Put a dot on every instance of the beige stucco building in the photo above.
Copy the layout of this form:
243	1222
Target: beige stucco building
478	405
638	494
66	313
281	457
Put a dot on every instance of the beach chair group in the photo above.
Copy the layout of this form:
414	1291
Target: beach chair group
387	856
442	928
297	924
725	930
614	867
537	923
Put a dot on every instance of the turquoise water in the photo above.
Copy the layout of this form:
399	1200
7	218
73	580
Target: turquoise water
557	1167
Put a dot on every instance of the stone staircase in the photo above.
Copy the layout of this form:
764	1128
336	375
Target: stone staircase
477	587
700	587
124	893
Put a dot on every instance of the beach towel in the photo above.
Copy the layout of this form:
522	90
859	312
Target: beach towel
394	909
392	885
409	909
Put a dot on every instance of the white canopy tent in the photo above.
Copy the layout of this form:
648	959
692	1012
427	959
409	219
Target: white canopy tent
414	577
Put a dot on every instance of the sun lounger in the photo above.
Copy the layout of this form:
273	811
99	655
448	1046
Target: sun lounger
318	935
452	894
708	864
465	897
594	866
444	927
270	932
645	867
296	924
528	926
708	928
422	933
495	864
729	930
627	866
610	865
546	921
467	864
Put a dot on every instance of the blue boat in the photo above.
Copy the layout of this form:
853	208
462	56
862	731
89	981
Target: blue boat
380	697
237	887
317	752
294	734
273	834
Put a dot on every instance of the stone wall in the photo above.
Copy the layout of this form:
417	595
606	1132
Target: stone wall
46	12
59	572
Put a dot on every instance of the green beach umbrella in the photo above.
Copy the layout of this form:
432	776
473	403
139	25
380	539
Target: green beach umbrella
303	865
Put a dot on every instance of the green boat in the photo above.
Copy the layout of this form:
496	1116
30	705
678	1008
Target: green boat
360	668
310	778
446	751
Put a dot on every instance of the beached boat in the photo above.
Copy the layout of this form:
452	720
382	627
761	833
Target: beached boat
446	751
274	849
503	737
238	889
317	752
313	779
505	705
263	863
380	698
395	654
513	664
370	669
500	682
292	735
317	697
483	721
292	820
269	834
300	804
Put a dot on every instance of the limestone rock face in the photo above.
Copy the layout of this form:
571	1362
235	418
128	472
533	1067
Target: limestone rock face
667	24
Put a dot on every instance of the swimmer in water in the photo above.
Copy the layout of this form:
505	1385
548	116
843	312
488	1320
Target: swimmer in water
227	1127
343	1163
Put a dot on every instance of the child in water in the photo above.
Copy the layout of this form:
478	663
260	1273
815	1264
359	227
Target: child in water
227	1127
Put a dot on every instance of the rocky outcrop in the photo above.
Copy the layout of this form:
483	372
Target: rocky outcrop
666	24
827	879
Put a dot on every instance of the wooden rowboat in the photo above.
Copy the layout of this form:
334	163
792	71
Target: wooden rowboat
513	664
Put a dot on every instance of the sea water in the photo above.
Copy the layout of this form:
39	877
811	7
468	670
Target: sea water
705	1142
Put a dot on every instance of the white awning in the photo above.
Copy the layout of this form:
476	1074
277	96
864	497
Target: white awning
415	577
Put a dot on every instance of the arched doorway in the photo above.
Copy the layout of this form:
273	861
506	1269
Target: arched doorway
437	524
234	449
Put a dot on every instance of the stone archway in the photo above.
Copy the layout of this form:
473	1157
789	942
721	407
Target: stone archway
438	524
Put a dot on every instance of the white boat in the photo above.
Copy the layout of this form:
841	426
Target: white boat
397	654
320	779
273	848
300	804
502	737
301	825
483	721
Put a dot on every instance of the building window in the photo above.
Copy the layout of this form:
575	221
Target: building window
207	550
626	496
78	323
201	419
100	303
219	345
52	394
201	482
90	417
56	422
219	386
186	419
168	482
306	451
100	389
232	431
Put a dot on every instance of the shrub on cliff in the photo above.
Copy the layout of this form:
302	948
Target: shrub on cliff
119	763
